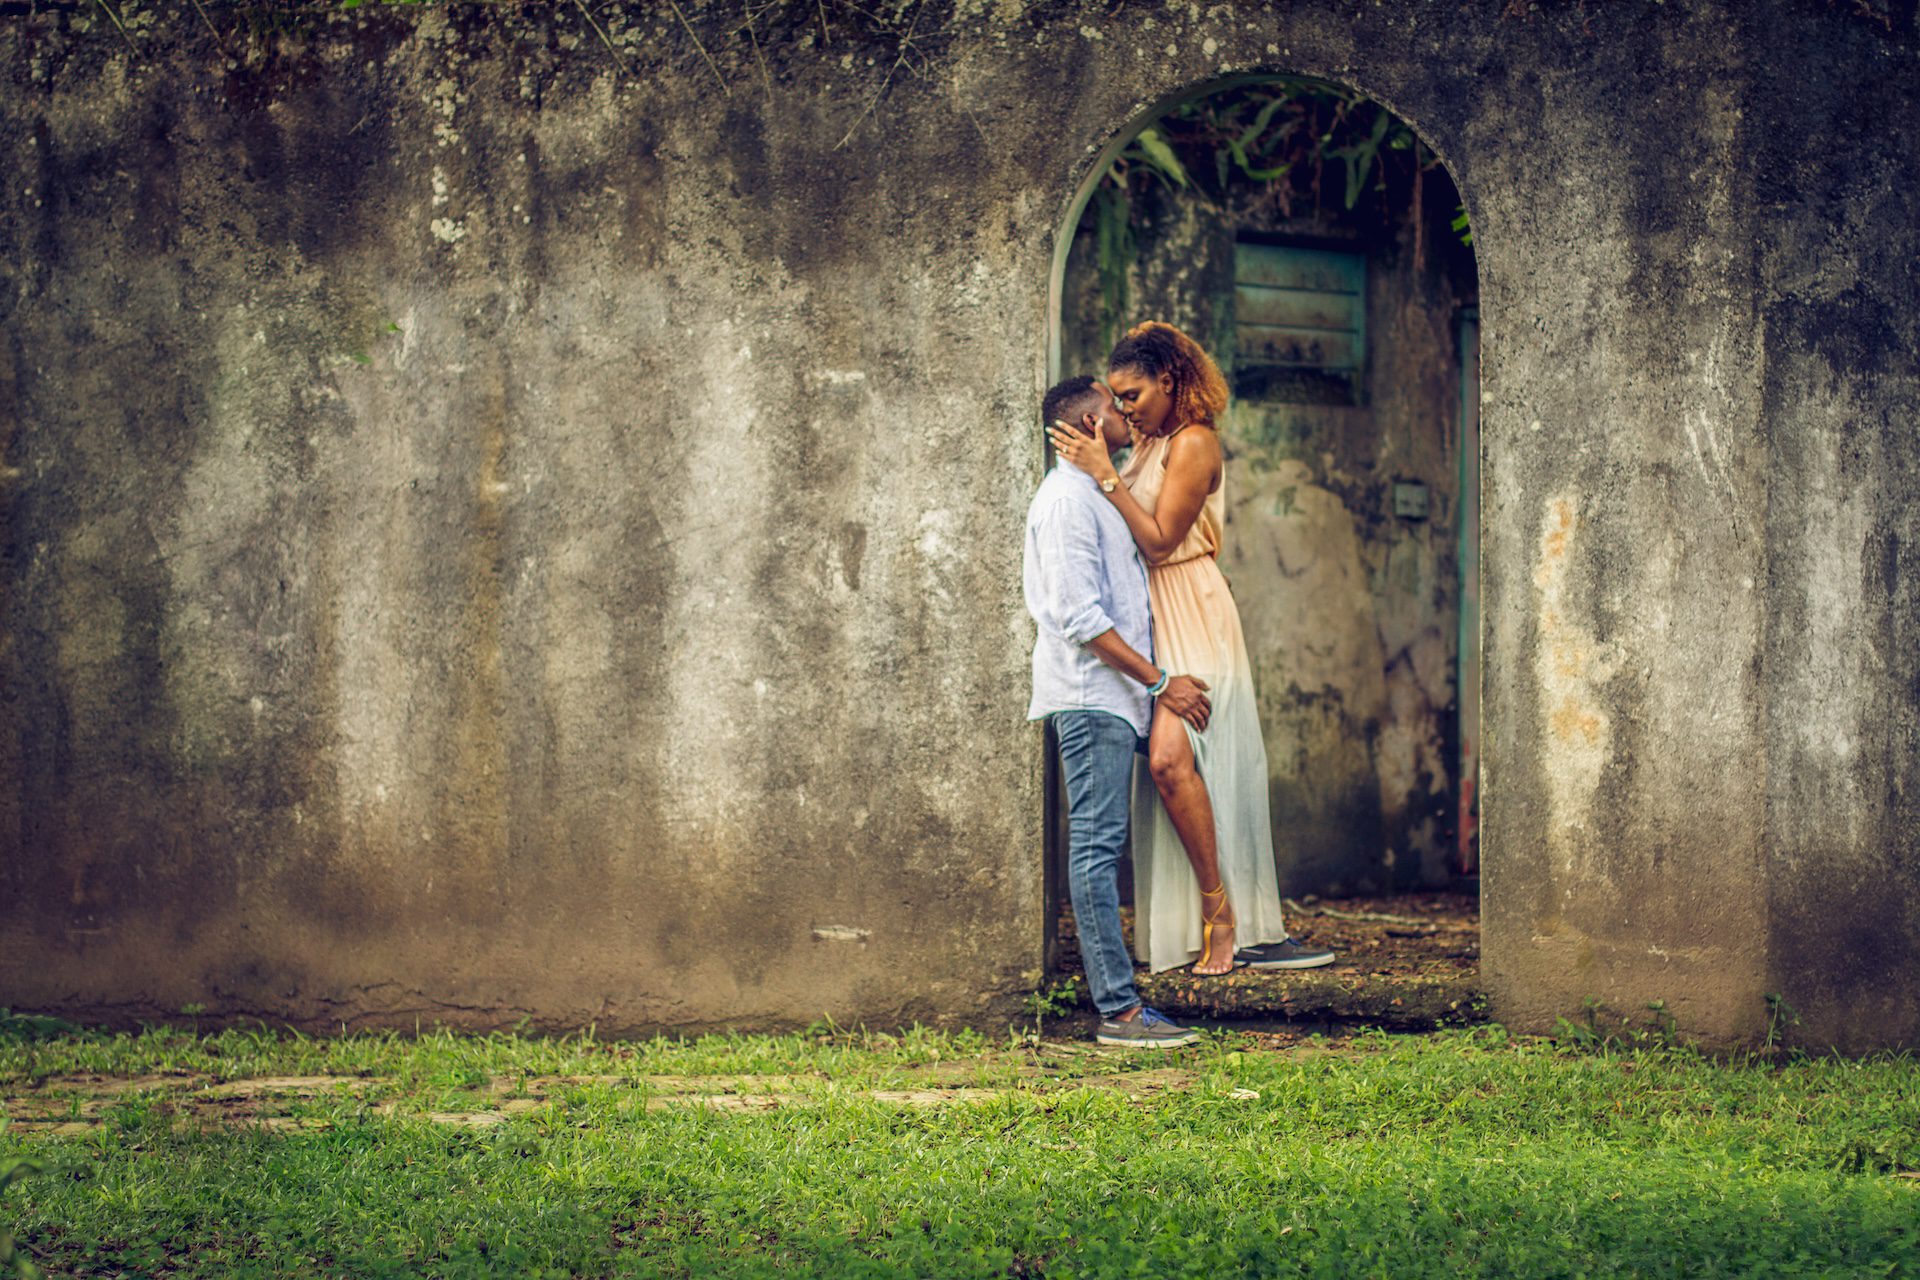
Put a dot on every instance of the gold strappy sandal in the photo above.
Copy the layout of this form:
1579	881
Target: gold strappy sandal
1207	922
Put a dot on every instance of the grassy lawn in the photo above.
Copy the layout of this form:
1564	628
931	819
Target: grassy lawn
925	1154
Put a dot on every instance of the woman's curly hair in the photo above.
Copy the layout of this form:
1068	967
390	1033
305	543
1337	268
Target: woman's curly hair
1154	348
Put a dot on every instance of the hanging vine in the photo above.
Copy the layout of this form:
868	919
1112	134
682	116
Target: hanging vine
1309	148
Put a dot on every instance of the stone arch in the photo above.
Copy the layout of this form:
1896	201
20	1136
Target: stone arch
1089	176
1118	141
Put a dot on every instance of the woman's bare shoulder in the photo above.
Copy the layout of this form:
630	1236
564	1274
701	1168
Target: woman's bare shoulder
1197	447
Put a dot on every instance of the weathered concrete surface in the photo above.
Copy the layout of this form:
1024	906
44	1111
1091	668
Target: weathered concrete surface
1351	614
461	558
1840	394
493	532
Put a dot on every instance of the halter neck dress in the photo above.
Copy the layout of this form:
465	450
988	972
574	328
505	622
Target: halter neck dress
1196	632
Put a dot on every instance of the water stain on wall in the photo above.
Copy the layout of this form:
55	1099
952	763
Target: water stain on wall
1570	666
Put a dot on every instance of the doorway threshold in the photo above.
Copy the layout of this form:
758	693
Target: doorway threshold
1402	961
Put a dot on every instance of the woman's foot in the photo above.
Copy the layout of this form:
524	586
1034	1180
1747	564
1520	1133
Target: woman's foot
1216	934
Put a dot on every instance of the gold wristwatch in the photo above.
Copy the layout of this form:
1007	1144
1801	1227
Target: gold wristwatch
1110	484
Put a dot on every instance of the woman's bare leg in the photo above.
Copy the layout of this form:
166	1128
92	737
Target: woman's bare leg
1184	792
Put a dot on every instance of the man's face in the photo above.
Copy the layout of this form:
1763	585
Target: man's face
1107	421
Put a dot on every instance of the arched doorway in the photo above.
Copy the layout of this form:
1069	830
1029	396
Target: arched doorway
1318	247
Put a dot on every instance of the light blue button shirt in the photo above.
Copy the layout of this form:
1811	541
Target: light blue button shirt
1083	576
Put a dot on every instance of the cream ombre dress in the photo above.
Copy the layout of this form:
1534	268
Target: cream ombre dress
1196	632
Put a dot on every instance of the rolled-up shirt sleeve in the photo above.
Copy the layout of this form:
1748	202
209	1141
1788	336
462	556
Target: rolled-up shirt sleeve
1070	569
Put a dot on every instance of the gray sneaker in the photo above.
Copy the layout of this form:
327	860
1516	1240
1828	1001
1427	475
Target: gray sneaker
1285	954
1148	1029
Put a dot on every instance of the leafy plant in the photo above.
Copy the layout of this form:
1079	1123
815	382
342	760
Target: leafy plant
1281	134
1780	1015
14	1259
1461	227
1150	149
1114	251
1287	140
31	1027
1599	1030
1052	1002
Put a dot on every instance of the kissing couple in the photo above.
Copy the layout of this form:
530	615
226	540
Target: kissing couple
1139	647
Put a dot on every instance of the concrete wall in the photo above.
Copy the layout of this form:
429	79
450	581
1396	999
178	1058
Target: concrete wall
1351	613
490	530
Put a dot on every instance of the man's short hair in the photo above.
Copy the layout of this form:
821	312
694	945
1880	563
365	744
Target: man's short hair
1068	399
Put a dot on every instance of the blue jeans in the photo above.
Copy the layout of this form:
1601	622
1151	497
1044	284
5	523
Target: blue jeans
1096	755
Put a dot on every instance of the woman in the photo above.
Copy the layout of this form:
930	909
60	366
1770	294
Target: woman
1223	894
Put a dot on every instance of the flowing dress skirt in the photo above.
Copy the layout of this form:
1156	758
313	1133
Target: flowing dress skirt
1197	633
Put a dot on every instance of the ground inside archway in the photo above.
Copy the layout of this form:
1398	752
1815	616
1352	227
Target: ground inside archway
1402	960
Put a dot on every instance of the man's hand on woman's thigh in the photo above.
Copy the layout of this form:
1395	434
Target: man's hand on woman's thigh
1186	697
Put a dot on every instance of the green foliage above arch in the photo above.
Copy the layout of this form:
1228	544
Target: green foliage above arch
1310	148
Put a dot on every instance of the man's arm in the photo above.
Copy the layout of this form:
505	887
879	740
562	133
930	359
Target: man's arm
1184	695
1070	567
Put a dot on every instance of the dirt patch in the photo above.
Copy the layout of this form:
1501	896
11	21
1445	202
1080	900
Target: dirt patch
288	1086
93	1085
286	1103
66	1106
1408	961
1397	935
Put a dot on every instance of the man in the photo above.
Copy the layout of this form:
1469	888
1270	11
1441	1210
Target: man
1086	588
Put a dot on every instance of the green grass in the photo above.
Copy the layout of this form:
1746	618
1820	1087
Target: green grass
1459	1152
